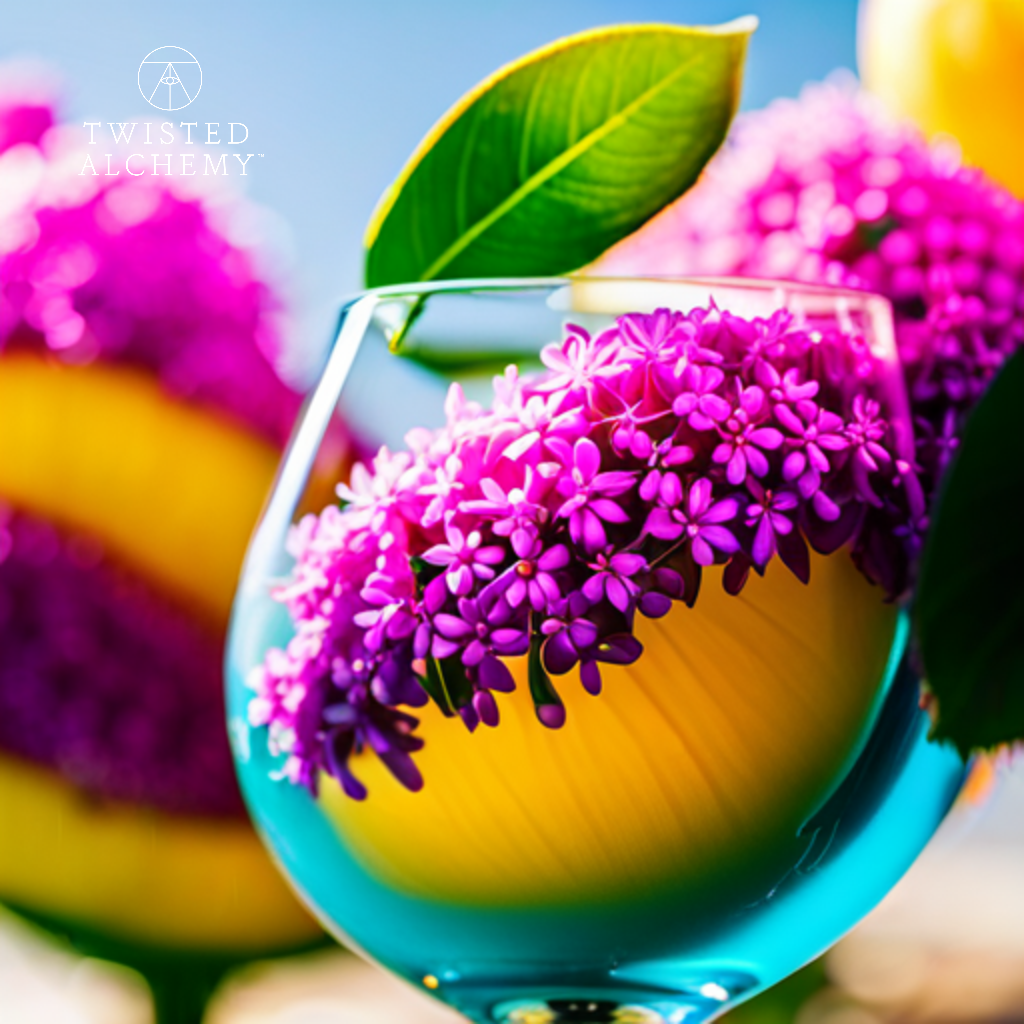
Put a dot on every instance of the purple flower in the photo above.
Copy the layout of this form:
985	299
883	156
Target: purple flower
659	588
814	431
765	340
358	719
656	336
517	513
493	674
131	272
443	492
744	442
482	627
531	579
94	660
613	579
786	387
103	677
697	519
864	436
538	423
577	366
654	341
573	639
588	495
866	433
666	455
766	513
627	437
569	633
394	681
887	211
938	442
907	478
24	118
699	401
389	616
465	559
618	649
374	492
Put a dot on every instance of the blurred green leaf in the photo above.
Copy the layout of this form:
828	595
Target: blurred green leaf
557	156
970	602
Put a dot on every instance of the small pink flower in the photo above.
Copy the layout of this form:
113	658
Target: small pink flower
465	557
697	519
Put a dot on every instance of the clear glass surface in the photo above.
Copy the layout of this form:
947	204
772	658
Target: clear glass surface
651	862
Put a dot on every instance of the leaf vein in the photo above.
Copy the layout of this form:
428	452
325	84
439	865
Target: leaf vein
552	168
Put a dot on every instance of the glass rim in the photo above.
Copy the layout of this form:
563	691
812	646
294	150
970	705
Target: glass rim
498	284
359	311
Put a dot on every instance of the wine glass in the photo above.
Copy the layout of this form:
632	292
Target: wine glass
727	808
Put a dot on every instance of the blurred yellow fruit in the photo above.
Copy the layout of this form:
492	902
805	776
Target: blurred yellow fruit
954	66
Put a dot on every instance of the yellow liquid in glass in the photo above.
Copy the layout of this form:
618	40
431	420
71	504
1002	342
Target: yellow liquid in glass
696	766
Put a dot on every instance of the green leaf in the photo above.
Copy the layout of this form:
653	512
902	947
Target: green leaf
560	154
456	684
970	601
546	701
433	683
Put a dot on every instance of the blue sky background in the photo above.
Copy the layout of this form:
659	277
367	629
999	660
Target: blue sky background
336	93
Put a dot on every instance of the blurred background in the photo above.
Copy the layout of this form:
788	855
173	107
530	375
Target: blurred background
946	945
335	96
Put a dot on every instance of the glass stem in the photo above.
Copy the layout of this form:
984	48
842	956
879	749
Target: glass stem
181	993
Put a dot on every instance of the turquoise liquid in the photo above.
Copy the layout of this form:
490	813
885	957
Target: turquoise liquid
688	947
662	959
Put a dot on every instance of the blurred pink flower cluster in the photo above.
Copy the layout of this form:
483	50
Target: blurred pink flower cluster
133	271
830	188
23	118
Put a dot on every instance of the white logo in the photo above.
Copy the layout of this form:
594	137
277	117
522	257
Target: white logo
170	78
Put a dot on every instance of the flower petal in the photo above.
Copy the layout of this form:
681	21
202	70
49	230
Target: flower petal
451	626
559	654
590	677
586	458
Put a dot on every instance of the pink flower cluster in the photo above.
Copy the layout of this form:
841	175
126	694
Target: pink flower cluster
542	526
130	271
23	120
830	188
